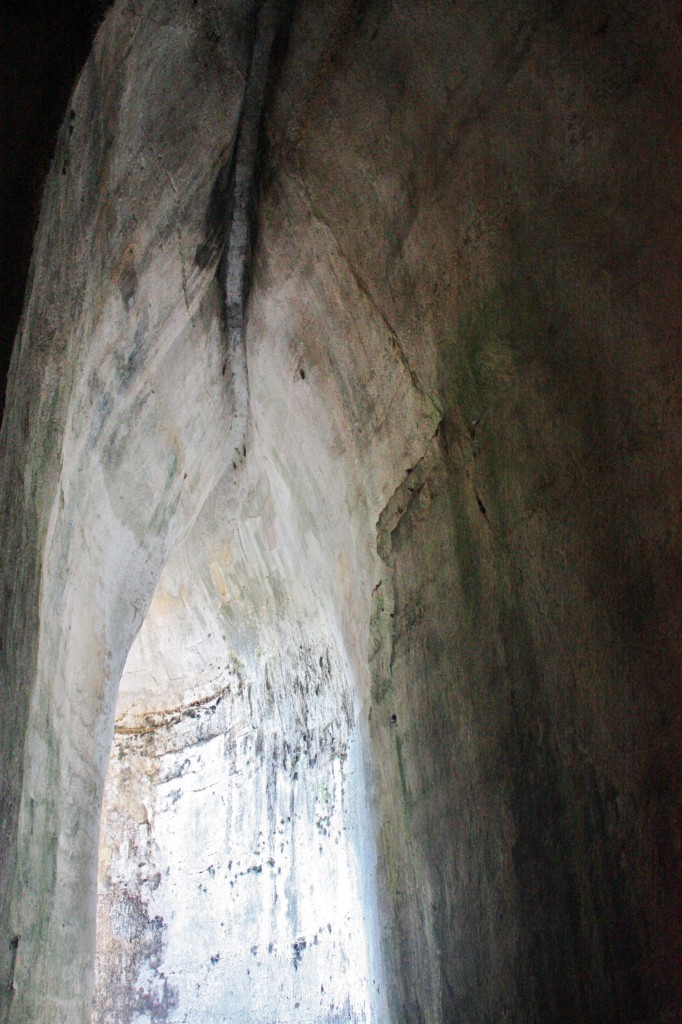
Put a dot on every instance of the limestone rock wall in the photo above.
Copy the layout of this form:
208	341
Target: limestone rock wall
103	464
501	179
259	628
229	886
462	470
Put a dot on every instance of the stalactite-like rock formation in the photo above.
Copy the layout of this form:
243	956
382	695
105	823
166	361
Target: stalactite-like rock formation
435	610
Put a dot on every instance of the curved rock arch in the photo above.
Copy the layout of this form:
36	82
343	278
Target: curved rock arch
461	366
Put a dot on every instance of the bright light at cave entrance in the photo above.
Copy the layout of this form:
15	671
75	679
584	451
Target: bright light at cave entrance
228	880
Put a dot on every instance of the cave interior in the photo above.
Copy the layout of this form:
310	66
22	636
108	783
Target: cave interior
340	512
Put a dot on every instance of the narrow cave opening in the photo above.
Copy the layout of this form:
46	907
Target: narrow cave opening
229	885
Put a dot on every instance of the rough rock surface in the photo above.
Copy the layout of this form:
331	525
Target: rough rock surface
461	485
229	887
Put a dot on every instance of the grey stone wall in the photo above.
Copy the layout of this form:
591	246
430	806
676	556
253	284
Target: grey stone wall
464	452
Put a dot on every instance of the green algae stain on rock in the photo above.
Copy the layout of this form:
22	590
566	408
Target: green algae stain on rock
483	357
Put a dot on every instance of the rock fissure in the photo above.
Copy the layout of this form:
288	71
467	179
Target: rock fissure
242	216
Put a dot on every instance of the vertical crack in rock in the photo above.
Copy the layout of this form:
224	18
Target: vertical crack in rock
14	947
242	212
413	488
401	864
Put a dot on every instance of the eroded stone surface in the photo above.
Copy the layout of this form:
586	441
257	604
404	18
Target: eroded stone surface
277	592
468	268
102	423
226	849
